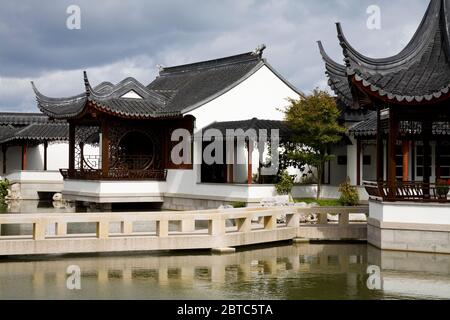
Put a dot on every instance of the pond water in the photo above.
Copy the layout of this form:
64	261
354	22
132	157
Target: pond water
306	271
303	271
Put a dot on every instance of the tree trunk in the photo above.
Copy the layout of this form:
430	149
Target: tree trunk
319	180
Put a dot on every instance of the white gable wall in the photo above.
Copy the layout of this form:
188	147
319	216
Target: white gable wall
259	96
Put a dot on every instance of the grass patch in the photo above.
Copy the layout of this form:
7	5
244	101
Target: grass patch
321	202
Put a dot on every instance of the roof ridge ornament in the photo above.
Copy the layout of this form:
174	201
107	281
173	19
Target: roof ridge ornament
87	85
259	50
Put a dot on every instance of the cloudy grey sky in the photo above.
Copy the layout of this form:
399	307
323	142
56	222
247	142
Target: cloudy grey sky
129	38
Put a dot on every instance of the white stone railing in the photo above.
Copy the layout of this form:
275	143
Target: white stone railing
342	214
215	219
216	229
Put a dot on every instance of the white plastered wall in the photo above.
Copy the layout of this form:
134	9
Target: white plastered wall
259	96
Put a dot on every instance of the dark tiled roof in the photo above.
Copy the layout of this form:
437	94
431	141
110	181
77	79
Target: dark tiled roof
192	85
10	118
108	98
419	73
366	128
254	124
175	91
6	131
37	132
337	78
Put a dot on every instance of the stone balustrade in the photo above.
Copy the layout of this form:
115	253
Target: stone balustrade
207	229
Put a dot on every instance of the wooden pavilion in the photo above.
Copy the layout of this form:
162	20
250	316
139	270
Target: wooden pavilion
117	132
409	96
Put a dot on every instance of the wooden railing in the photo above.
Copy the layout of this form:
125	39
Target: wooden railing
406	191
114	174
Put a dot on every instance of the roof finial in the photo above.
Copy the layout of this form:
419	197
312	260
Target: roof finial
160	67
87	85
259	50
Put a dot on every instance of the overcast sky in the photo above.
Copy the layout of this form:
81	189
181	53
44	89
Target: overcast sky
119	38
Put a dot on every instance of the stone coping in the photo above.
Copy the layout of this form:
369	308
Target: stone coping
408	226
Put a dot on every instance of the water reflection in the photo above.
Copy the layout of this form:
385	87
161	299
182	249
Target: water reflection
285	272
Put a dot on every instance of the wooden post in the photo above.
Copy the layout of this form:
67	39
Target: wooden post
426	158
24	157
393	128
71	149
413	160
405	153
81	156
230	173
358	162
4	151
250	164
105	149
380	147
45	155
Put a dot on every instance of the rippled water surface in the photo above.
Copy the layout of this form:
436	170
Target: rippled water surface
306	271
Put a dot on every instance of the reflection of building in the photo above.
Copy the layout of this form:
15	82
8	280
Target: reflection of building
405	137
286	272
120	135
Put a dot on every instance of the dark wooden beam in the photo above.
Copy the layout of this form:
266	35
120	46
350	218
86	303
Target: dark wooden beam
358	161
426	153
4	151
413	160
405	154
81	156
24	156
45	155
392	144
380	147
71	148
249	162
105	149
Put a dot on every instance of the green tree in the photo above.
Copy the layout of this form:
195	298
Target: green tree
313	120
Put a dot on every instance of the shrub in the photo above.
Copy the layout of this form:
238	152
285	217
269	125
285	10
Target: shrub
239	204
442	187
4	186
309	179
285	184
349	194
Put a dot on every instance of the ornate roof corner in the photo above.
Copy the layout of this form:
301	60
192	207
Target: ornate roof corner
87	85
259	50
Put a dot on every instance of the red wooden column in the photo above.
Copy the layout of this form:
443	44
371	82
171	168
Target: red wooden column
405	153
380	147
71	148
250	164
230	173
105	149
393	129
358	161
426	158
81	156
24	157
45	155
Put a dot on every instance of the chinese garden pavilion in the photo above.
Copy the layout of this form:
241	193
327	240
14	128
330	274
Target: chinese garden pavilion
406	99
117	132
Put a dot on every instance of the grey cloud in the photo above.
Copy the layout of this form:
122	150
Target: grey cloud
35	43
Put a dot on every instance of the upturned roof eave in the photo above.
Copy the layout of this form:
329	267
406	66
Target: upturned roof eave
355	60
